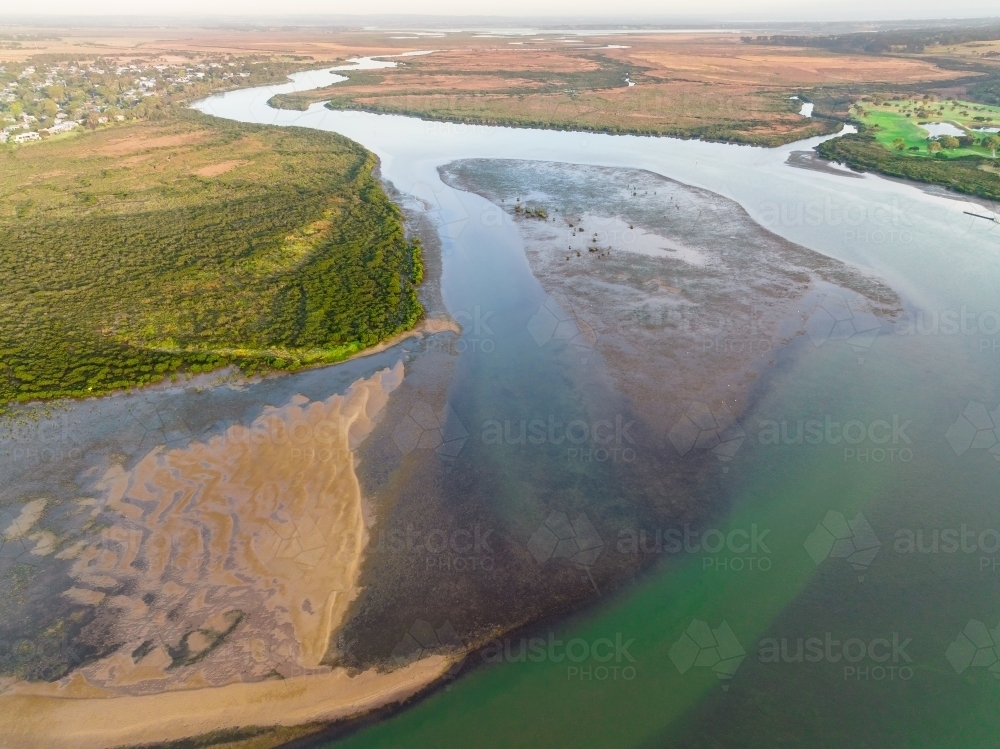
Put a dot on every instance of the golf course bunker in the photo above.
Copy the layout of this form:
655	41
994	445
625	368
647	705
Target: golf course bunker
223	568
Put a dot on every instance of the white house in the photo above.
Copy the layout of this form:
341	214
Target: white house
25	137
62	127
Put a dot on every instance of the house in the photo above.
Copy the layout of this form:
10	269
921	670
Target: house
25	137
62	127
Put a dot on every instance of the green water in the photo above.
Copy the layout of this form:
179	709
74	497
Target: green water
788	489
905	610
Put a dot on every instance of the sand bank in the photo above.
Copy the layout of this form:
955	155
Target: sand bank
74	718
223	568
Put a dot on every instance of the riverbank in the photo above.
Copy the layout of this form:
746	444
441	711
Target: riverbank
970	175
78	717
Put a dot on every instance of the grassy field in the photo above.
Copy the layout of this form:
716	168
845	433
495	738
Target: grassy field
153	248
901	119
972	175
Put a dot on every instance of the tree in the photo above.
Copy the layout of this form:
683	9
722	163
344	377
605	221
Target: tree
949	141
933	147
992	143
899	144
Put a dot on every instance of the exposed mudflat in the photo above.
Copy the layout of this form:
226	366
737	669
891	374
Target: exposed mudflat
682	294
669	304
813	161
222	563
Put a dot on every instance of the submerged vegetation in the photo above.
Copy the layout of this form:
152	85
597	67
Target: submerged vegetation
154	248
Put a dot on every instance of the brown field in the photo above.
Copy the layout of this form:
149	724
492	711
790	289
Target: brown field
177	45
987	53
214	170
689	85
694	85
135	141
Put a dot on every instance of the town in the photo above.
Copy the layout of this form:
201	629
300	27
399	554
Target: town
42	100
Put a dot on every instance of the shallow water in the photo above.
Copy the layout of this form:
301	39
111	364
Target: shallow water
908	464
935	129
855	445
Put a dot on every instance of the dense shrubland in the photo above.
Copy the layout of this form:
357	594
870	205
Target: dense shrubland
153	248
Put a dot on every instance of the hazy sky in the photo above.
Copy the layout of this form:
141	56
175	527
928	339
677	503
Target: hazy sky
731	9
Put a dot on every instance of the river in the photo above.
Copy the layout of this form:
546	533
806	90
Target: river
850	594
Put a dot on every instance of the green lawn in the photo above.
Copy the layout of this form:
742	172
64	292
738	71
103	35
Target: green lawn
901	118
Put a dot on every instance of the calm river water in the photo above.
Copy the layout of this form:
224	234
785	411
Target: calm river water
850	596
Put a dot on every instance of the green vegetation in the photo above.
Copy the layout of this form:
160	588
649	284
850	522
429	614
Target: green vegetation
967	174
154	248
560	112
896	124
96	92
987	91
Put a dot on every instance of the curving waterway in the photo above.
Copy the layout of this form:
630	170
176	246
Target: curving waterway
849	593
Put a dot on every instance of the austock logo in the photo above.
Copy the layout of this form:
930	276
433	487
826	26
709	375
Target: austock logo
836	537
423	640
443	206
703	647
976	429
551	323
576	541
704	428
978	647
835	320
879	659
424	428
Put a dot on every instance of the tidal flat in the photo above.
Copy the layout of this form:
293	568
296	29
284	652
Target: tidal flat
611	402
467	490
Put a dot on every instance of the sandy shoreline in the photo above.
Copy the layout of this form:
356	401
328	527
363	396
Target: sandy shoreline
49	718
220	569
